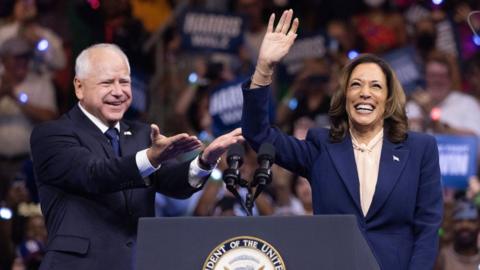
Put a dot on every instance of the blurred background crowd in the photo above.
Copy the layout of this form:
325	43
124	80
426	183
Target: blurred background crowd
189	58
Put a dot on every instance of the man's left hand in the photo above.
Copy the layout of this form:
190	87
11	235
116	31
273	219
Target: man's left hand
220	145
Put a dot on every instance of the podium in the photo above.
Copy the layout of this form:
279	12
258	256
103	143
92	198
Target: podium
324	242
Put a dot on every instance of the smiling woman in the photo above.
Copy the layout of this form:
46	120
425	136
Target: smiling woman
390	183
369	98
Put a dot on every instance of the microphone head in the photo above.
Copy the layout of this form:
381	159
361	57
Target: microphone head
266	152
236	152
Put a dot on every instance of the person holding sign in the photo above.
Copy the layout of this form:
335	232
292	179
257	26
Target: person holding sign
367	164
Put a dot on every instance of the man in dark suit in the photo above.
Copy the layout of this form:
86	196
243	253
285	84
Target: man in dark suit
97	174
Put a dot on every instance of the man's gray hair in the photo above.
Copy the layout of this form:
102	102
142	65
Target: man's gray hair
83	61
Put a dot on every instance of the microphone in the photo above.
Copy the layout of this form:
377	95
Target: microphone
231	176
265	159
263	174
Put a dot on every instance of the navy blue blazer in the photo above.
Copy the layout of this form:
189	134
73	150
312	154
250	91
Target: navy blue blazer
402	223
92	199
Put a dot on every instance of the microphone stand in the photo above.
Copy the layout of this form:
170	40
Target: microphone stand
261	178
249	202
232	180
233	190
248	198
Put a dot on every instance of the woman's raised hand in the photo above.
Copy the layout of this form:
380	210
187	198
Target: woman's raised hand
277	42
275	45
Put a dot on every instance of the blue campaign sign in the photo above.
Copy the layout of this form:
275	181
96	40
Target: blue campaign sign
458	159
225	107
226	104
209	31
309	46
406	67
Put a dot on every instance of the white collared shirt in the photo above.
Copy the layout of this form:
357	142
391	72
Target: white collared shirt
367	159
196	174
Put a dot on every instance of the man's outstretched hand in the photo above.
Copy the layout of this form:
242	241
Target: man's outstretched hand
220	145
164	148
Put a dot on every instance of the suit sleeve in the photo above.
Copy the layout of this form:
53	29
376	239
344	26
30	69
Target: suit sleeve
291	153
428	210
61	160
173	180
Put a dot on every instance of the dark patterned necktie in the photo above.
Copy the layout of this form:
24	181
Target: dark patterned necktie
112	135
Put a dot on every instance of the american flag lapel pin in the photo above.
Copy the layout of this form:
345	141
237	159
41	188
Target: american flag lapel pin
127	133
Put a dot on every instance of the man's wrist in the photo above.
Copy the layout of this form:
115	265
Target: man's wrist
155	163
204	165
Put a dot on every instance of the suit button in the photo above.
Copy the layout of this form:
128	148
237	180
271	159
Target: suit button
129	244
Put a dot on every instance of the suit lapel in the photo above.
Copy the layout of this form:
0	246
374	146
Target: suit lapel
127	142
344	160
88	126
392	162
128	147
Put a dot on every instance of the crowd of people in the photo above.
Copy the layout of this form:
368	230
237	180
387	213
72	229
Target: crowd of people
199	91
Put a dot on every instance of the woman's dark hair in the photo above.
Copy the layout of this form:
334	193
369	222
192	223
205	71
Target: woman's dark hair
395	119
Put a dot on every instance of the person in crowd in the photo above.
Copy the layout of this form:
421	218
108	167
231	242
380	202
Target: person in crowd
252	10
303	191
32	247
440	108
463	253
380	28
285	202
473	75
227	206
97	173
26	98
308	97
49	46
367	164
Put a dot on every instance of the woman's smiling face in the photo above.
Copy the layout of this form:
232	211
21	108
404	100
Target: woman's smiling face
366	96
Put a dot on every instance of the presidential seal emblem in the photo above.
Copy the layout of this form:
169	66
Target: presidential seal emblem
244	253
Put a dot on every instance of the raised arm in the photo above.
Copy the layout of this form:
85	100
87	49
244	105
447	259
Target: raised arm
293	154
275	45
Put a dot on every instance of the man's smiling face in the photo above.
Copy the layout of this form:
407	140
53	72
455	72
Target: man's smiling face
105	91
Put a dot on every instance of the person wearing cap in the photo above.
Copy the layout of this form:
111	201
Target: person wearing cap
463	253
26	98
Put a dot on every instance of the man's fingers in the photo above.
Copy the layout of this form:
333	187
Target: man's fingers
177	138
191	148
288	21
174	150
237	131
237	136
270	23
239	139
155	131
194	144
183	141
